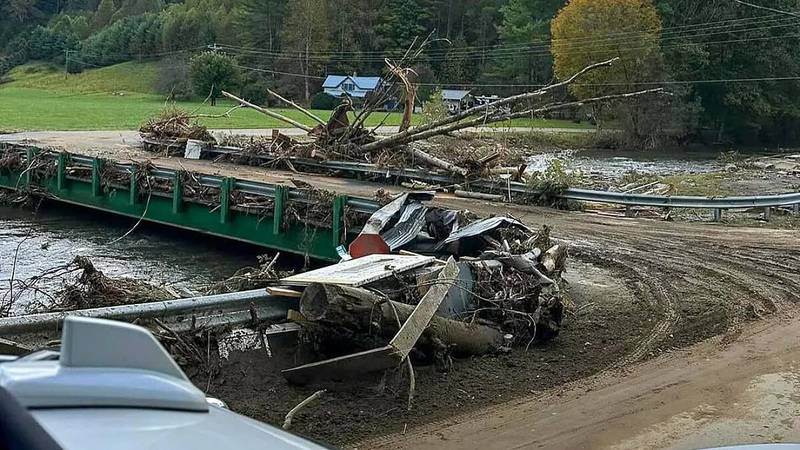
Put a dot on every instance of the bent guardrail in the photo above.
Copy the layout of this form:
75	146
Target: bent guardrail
222	309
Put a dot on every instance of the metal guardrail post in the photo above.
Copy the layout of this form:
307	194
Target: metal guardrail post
717	215
278	209
61	171
225	200
177	192
97	166
767	213
134	186
339	204
30	154
796	208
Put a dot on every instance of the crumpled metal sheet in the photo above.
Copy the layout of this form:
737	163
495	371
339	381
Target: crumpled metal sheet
411	222
380	218
481	227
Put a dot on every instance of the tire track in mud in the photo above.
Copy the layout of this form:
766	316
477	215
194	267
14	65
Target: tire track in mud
739	282
675	267
648	288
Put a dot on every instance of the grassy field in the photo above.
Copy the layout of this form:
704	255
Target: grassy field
120	97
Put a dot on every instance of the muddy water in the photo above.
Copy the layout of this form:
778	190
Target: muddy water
31	243
614	164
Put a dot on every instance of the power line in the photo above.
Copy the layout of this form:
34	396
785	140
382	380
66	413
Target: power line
665	30
769	22
278	72
671	41
640	83
779	11
605	50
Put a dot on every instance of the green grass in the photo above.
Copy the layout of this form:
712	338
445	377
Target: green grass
129	77
120	97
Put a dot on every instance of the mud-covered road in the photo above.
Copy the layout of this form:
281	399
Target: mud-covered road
696	282
639	289
740	388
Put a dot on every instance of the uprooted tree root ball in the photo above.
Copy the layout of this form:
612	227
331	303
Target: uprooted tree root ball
93	289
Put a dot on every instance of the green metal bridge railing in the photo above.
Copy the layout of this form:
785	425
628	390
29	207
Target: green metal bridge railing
55	178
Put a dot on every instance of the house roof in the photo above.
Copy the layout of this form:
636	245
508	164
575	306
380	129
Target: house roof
365	83
454	94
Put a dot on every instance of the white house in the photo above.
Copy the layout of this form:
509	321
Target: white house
457	100
353	86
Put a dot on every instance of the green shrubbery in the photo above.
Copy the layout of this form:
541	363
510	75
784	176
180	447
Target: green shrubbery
324	101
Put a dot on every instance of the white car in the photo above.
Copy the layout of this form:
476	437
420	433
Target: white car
113	386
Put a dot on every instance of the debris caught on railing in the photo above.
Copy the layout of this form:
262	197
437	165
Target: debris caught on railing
366	314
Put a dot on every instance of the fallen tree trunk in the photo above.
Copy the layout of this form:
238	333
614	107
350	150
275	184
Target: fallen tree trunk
361	311
267	112
296	106
434	161
407	138
482	110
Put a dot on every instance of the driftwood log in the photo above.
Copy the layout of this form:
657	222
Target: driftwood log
361	311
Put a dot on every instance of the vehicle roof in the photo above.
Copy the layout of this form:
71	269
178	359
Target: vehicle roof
129	428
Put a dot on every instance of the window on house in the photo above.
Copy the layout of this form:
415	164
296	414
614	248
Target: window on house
349	87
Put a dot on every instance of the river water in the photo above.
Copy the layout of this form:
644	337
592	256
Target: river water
613	164
32	242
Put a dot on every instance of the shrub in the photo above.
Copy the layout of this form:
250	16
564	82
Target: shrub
324	101
554	180
434	109
213	72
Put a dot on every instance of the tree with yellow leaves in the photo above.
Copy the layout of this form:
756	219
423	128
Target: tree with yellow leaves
589	31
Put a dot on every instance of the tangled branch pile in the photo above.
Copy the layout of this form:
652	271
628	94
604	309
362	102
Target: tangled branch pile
248	278
175	124
91	289
345	138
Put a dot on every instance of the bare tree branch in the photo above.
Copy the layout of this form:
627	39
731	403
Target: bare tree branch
403	137
267	112
766	8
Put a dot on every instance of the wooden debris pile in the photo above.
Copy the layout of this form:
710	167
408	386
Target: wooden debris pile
247	278
173	127
499	289
345	136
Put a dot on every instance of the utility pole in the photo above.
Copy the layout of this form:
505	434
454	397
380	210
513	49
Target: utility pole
66	63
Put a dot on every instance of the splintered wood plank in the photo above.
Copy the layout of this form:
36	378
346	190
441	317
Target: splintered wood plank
412	329
343	367
360	271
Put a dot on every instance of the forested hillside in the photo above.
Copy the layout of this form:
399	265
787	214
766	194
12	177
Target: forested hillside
734	69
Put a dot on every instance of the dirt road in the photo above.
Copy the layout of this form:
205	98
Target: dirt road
725	391
641	288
